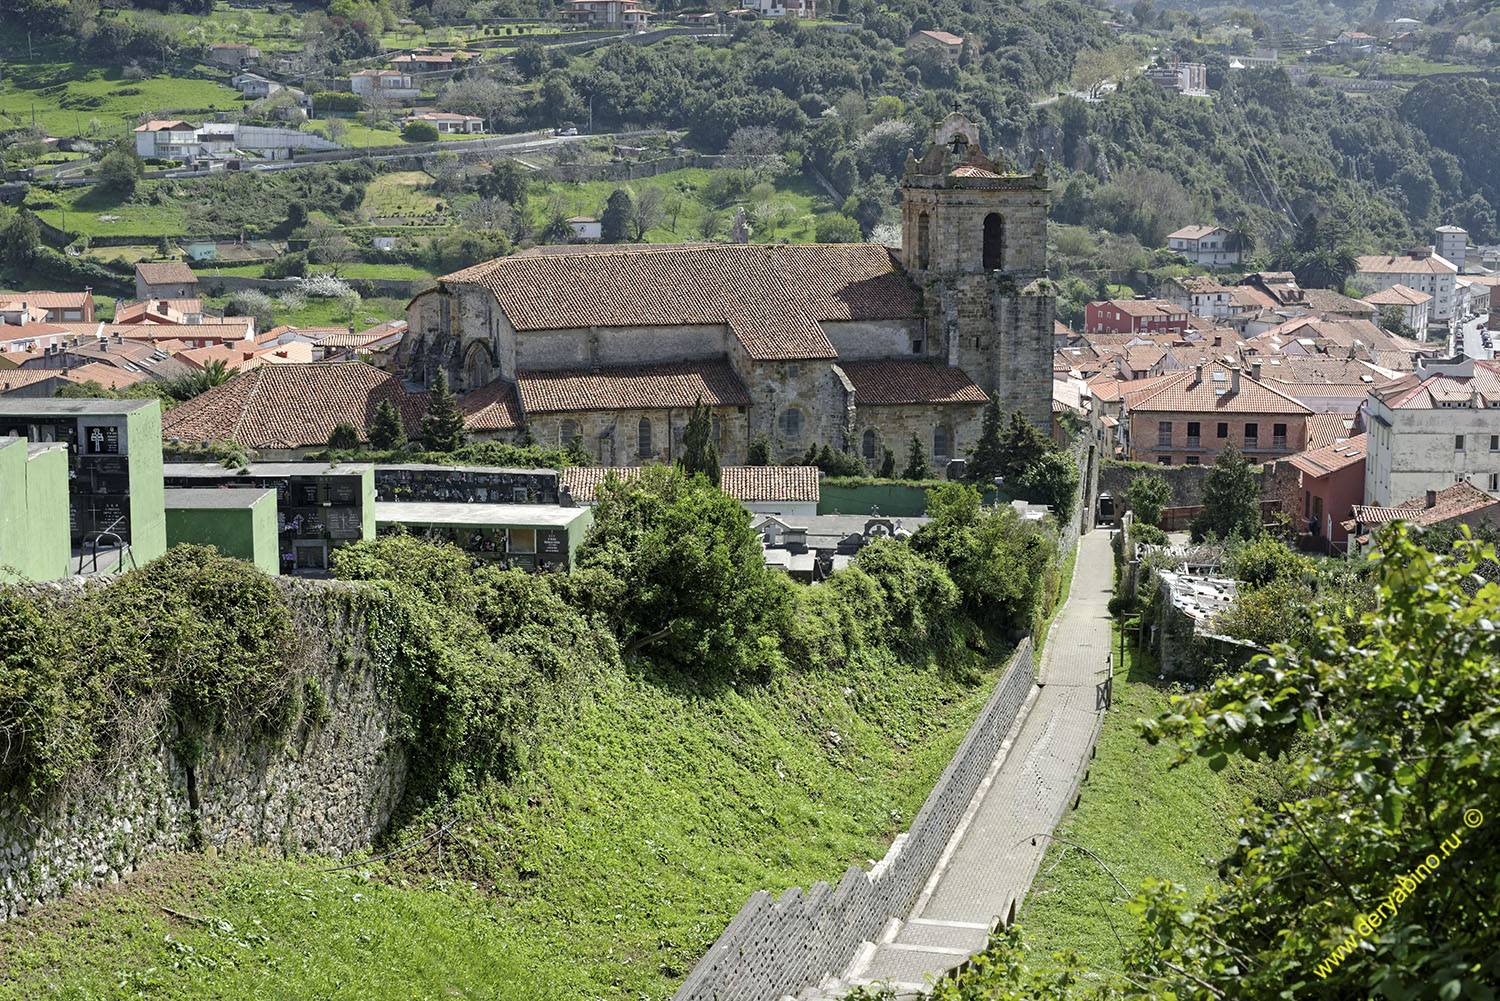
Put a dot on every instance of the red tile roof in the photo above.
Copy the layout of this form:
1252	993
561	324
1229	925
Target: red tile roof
12	379
885	383
634	387
170	272
1331	458
743	483
1458	500
1326	429
772	296
291	406
494	407
1181	392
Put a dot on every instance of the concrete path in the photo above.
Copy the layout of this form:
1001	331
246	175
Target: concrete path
992	857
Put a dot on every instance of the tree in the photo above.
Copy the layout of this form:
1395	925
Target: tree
988	460
387	431
1051	479
648	210
695	589
700	452
917	466
838	229
614	225
530	59
1149	494
344	437
505	181
443	428
759	453
1393	321
419	132
1231	501
119	172
327	244
19	239
1241	236
887	469
1021	446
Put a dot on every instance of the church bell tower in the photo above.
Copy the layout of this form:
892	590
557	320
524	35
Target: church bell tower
974	239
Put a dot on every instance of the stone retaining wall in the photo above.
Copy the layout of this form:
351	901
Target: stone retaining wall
326	789
774	947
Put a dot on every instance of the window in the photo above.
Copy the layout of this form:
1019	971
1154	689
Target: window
643	438
1223	430
792	371
1278	435
924	251
567	432
1494	482
1495	443
1164	460
1306	503
1252	435
791	423
916	345
1164	433
445	315
994	242
867	446
1458	443
941	441
1192	460
1193	428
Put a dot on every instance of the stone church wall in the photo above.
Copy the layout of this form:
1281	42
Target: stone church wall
777	947
865	340
326	789
543	350
894	426
613	437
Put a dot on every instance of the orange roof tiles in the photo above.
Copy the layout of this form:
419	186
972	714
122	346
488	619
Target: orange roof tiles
1458	500
634	387
1326	429
108	376
494	407
1181	392
1331	458
290	406
171	272
773	297
886	383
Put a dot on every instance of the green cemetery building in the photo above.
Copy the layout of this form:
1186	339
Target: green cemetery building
34	542
533	537
114	472
319	507
239	523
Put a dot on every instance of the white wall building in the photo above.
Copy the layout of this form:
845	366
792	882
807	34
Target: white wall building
1452	244
1436	426
1415	306
390	85
1204	245
1421	269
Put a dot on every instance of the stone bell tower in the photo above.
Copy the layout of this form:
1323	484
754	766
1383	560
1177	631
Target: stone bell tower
974	239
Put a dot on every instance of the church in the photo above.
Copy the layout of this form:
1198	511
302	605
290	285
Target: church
853	345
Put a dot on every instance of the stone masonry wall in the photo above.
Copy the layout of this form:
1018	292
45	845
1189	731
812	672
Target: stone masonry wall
326	789
774	947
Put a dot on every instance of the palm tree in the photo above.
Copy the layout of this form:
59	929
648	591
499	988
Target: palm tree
1241	237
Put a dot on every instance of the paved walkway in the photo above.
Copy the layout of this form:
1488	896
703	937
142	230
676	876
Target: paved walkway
992	858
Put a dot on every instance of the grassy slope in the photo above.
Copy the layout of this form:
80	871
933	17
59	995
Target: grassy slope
603	873
1143	818
93	92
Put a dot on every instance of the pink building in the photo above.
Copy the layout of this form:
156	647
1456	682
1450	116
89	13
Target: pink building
1189	417
1331	481
1134	316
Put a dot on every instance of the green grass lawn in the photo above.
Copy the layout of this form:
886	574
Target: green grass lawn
401	193
325	312
79	210
1143	818
603	873
803	198
81	99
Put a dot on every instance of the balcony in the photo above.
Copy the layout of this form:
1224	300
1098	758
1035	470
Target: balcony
1279	442
1194	441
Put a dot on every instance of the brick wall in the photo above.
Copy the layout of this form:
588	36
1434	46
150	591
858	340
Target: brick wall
778	946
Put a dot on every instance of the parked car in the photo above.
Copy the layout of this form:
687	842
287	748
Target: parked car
569	131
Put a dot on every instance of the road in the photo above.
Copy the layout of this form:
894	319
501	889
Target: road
998	846
1469	339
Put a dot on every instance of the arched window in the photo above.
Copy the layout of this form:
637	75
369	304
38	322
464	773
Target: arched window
940	439
567	433
867	446
994	242
477	372
791	423
924	249
643	438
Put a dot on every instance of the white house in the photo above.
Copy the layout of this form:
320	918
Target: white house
1414	306
447	122
254	86
1452	244
781	8
1204	245
1199	295
1433	428
618	14
383	242
170	139
1419	269
390	85
586	227
946	42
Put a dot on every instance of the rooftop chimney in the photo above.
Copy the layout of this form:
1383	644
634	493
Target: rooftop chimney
1255	371
1234	379
1199	377
1431	498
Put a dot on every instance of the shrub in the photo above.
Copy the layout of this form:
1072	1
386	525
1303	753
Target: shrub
420	132
323	286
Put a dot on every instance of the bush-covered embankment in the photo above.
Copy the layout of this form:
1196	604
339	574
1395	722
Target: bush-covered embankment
616	757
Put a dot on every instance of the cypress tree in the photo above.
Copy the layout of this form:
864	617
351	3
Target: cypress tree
443	427
386	432
887	466
700	453
917	467
988	459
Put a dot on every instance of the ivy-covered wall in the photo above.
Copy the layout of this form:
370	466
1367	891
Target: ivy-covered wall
320	773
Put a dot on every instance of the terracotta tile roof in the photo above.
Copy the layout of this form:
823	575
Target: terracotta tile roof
1431	390
495	407
12	379
160	124
50	300
634	387
1181	392
1461	499
107	376
946	37
1194	232
1331	458
1326	429
1203	285
885	383
1143	307
170	272
137	312
342	338
1401	264
291	406
743	483
1322	300
1397	295
773	297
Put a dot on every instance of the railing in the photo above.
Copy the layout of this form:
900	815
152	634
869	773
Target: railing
1279	441
1194	441
91	546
